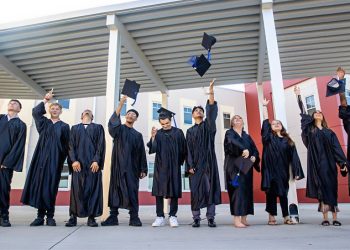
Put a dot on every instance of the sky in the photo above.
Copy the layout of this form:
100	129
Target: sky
19	10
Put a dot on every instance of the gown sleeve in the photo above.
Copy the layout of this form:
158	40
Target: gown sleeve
72	157
143	167
189	158
114	125
254	153
152	145
344	114
212	113
99	156
266	131
297	169
306	122
339	155
38	113
14	159
183	147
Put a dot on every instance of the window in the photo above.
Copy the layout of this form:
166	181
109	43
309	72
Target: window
64	181
227	121
150	175
347	95
64	103
155	107
187	115
185	180
123	111
310	104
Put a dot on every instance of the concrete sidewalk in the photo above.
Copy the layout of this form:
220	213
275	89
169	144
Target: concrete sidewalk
307	235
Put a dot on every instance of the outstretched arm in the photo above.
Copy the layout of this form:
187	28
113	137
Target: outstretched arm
265	111
300	101
211	92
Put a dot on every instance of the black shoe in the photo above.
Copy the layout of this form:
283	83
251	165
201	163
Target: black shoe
91	222
112	220
72	222
211	223
5	222
50	222
135	222
37	222
196	223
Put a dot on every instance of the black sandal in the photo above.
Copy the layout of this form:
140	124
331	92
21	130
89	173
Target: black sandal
336	223
326	223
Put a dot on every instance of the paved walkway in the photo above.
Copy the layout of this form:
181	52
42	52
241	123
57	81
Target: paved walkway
307	235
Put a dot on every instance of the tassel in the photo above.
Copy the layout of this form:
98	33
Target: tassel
235	181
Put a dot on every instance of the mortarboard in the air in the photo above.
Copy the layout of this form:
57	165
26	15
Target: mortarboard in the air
200	64
243	164
335	86
131	89
208	41
165	113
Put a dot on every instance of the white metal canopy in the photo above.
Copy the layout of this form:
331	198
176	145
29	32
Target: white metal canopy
70	52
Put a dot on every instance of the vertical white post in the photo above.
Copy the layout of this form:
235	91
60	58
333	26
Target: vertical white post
260	91
278	97
274	62
165	105
112	98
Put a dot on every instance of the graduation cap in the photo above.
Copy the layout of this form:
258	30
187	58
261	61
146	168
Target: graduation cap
165	113
335	86
207	42
131	89
243	164
200	64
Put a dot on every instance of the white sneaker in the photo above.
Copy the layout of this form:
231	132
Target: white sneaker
173	221
159	222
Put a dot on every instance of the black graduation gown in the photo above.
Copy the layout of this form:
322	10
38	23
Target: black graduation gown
278	155
13	137
51	151
323	154
86	145
128	162
205	183
344	114
241	198
170	149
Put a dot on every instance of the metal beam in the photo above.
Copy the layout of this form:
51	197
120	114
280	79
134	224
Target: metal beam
140	58
22	77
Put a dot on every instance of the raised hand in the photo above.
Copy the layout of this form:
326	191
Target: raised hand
154	132
265	102
245	153
142	175
123	98
94	167
49	95
211	85
76	166
296	90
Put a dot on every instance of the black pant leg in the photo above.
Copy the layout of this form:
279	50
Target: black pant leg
6	175
50	213
160	206
271	201
174	205
284	205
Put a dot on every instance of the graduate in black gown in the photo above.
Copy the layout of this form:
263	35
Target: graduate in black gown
279	155
129	165
239	144
324	153
86	158
170	147
44	173
201	164
13	137
344	114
